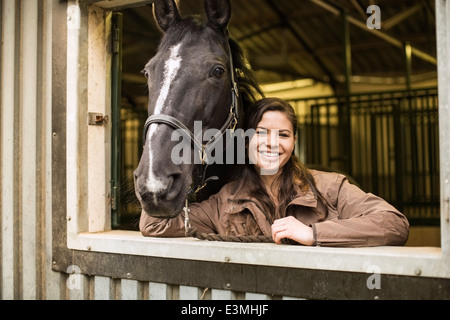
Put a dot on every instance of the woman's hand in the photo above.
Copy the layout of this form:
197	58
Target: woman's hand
293	229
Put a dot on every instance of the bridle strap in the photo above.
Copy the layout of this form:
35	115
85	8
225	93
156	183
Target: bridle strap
175	124
178	125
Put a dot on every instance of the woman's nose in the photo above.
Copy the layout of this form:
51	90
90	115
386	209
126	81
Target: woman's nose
272	139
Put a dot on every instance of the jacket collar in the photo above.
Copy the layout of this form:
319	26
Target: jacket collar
241	195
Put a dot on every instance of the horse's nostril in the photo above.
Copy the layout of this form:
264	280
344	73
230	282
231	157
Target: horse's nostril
170	180
167	189
175	187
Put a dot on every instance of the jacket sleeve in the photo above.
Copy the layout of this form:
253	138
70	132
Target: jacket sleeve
199	216
363	219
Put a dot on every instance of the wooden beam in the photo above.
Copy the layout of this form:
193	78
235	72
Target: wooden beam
119	4
395	20
305	44
379	33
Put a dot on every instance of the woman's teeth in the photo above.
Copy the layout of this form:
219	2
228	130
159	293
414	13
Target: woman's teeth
270	154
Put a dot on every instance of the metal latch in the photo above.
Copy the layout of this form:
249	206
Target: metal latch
97	119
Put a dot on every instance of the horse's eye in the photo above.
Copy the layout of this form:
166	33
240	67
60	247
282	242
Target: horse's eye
145	72
218	72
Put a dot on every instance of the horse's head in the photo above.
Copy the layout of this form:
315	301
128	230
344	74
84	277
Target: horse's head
189	79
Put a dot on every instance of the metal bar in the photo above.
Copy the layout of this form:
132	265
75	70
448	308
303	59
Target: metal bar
423	150
433	151
315	126
373	152
328	135
347	52
344	115
399	158
391	170
119	4
407	52
116	88
414	144
364	156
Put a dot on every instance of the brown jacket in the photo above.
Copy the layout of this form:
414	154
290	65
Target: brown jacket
354	218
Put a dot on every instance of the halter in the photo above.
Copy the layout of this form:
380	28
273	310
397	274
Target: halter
203	149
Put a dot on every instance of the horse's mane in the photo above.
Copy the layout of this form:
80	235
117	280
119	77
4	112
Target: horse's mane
249	89
190	27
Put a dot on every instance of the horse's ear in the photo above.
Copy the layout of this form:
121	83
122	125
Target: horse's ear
166	13
218	13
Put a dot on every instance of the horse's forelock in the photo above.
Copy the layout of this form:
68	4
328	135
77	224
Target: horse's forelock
186	29
189	29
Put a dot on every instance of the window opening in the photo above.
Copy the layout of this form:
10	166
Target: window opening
380	122
129	105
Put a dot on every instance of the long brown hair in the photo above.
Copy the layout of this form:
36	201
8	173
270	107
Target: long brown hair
293	175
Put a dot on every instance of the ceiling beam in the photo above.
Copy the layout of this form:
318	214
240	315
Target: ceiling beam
119	4
394	20
378	33
285	20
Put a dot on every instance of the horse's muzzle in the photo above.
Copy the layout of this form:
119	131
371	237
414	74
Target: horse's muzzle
163	199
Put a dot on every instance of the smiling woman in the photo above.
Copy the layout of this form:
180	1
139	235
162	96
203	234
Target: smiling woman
276	196
273	143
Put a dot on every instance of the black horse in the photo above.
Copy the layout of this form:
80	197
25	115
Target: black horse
199	76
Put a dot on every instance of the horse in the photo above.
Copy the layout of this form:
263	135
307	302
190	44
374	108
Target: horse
199	75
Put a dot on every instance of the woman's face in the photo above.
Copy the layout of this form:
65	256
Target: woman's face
273	143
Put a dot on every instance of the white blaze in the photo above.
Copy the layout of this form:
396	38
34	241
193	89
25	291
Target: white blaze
171	68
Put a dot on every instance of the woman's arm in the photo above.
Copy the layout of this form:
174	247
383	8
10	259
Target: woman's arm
158	227
200	217
291	228
364	219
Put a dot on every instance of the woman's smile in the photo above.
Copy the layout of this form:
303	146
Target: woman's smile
273	143
269	154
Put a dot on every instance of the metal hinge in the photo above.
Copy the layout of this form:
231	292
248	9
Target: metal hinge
115	37
97	119
113	196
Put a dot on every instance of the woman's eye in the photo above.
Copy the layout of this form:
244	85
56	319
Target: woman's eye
218	72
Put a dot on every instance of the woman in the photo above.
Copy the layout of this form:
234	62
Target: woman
275	195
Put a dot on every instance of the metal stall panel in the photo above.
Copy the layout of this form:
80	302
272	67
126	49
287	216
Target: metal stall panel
25	113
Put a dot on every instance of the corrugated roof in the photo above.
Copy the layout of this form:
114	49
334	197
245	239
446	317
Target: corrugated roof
296	39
